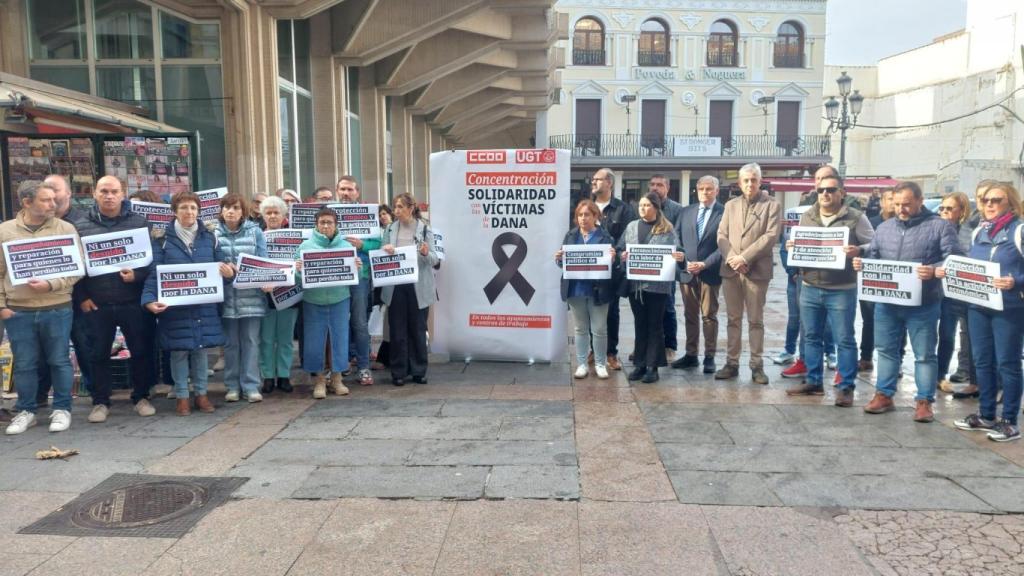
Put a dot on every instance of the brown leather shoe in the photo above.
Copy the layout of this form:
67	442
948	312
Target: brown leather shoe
203	404
865	366
844	398
727	372
183	408
805	389
923	412
613	362
879	404
757	376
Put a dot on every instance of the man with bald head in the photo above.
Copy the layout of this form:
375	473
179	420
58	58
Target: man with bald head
111	300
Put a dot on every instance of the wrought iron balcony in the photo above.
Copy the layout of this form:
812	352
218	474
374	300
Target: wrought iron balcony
588	57
653	58
689	146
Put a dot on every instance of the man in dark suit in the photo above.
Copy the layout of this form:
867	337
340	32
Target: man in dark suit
698	235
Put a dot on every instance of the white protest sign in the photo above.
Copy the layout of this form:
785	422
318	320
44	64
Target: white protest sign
43	258
158	214
791	219
438	243
286	297
393	269
650	263
302	215
818	247
256	272
970	281
209	203
114	251
359	220
329	267
889	282
283	243
184	284
587	261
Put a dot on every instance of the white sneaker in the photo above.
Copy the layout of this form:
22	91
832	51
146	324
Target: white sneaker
98	414
60	420
255	397
144	408
602	372
581	371
782	358
23	421
219	364
830	361
231	396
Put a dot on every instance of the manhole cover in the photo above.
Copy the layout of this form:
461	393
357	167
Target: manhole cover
138	505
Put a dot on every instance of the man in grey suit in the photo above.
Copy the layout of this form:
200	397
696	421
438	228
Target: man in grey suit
672	211
698	235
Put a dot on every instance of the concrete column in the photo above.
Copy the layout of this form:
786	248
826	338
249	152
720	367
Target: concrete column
420	158
373	137
14	43
541	130
330	127
684	187
401	147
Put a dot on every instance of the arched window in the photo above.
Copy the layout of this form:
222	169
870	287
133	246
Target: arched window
653	43
722	45
588	43
789	46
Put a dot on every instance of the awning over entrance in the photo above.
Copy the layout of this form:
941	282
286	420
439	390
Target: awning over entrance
857	185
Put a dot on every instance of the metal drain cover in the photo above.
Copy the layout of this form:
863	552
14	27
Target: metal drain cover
138	505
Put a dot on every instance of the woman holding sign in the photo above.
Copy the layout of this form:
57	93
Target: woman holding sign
186	330
997	335
277	327
243	308
647	298
408	304
588	299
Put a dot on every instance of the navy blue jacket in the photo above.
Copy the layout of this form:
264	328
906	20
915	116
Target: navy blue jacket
1002	249
185	327
110	288
924	238
704	250
603	289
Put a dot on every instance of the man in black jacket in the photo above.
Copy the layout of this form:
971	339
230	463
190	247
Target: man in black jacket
615	215
112	300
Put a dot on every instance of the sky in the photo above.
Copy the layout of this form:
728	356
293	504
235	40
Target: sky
860	32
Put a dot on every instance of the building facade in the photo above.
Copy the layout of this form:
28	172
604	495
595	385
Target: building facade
294	93
690	87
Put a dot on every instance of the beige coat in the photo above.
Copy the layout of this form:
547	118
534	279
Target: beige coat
750	229
22	296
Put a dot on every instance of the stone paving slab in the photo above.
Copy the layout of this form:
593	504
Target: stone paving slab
20	508
557	482
451	428
689	432
1005	494
358	407
712	413
74	476
458	482
792	434
174	427
613	480
723	488
492	453
536	428
105	557
505	408
319	428
335	452
270	480
874	492
106	447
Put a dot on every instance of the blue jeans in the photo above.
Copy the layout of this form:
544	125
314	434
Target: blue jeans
919	322
242	354
952	312
184	363
795	337
996	339
590	319
41	336
318	322
360	328
833	310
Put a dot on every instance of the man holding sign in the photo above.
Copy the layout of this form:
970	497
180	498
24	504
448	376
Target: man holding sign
37	313
828	295
111	299
359	344
915	235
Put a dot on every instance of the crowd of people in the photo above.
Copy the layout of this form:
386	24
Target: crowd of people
43	318
718	250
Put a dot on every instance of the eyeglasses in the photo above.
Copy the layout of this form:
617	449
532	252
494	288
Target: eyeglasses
597	179
828	190
326	223
947	208
997	200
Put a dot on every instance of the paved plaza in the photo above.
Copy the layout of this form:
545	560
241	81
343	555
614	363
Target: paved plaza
498	468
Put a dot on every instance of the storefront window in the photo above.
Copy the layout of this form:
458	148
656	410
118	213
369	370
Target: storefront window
296	106
124	29
184	39
56	29
193	100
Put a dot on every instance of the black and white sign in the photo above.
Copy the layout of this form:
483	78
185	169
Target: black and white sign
358	220
587	261
438	243
158	214
115	251
393	269
256	272
303	215
970	281
889	282
650	263
819	247
283	244
184	284
43	258
286	297
209	203
329	267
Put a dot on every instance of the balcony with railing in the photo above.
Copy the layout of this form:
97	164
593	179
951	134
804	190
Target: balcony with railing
582	57
653	58
638	146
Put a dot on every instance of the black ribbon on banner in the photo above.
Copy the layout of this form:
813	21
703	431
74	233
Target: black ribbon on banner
508	268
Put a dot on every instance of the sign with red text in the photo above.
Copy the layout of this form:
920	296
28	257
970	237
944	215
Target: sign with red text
970	280
256	272
43	258
158	214
326	267
283	243
401	267
650	263
889	282
286	297
587	261
358	220
818	247
209	203
185	284
115	251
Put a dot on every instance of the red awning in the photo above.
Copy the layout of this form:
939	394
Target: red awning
859	185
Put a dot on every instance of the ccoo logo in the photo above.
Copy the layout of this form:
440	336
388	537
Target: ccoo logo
486	157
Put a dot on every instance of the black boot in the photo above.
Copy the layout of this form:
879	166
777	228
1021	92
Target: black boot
651	376
637	373
268	386
284	385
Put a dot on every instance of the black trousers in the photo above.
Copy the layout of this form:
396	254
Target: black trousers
867	332
648	318
407	326
613	326
138	335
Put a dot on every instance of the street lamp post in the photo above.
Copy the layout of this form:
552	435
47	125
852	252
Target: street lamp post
842	115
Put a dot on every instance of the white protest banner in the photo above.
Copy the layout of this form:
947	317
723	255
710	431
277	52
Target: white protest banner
587	261
256	272
889	282
819	247
503	213
791	219
329	267
359	220
114	251
209	203
650	263
158	215
286	297
394	269
184	284
970	281
438	243
303	215
283	243
43	258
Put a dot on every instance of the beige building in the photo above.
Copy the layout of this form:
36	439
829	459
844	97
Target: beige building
687	87
950	113
295	93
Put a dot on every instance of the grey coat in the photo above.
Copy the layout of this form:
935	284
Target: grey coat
426	294
632	236
248	239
